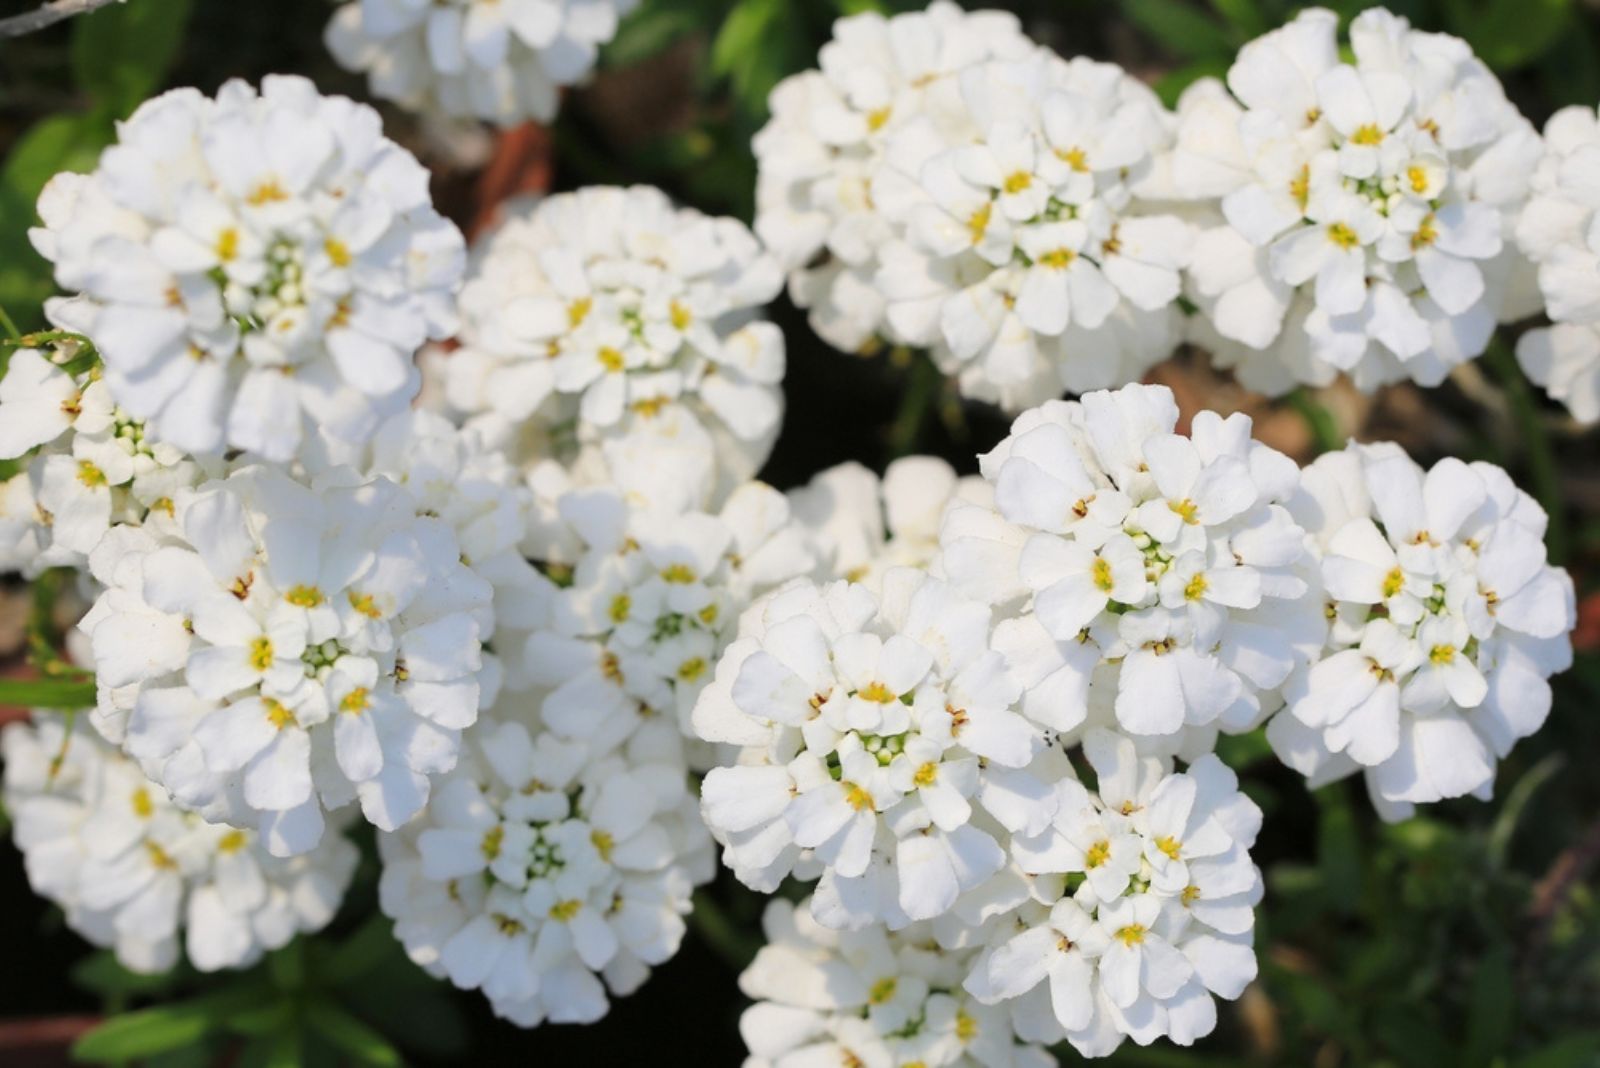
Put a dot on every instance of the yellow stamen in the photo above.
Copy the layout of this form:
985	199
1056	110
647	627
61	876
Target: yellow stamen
493	839
232	842
876	118
882	990
1186	509
1393	582
1097	855
1367	134
603	843
227	244
621	605
1058	258
1018	181
679	315
1170	846
357	700
338	252
564	911
978	223
1074	157
1196	588
261	653
304	597
365	604
143	807
610	359
692	668
578	310
267	192
680	574
926	775
1341	234
1132	934
277	715
876	692
1100	573
856	797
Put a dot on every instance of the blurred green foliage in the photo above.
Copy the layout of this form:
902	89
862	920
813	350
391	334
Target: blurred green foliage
1469	936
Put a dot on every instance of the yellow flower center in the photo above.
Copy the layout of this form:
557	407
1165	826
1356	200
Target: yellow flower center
1098	854
692	668
876	692
966	1026
1300	187
876	118
277	715
231	842
338	252
926	774
267	192
1442	654
1100	574
1367	134
493	839
578	310
978	223
621	605
1132	935
1418	179
679	315
1058	258
1170	846
357	700
159	857
1427	232
90	475
1074	157
882	990
1394	582
678	574
610	359
227	244
364	604
1186	509
564	911
261	653
603	843
304	597
857	798
1341	234
1196	588
143	807
1017	181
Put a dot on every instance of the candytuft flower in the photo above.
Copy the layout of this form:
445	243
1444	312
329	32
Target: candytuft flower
253	263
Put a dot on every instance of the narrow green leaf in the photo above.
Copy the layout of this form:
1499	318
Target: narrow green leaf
47	693
1181	28
142	1034
350	1036
1494	999
100	973
1505	824
370	946
121	53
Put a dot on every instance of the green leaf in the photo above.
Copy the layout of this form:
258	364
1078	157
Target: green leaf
1505	824
47	693
100	973
1338	851
1508	34
1181	28
59	143
121	53
350	1036
1574	1051
1493	1006
143	1033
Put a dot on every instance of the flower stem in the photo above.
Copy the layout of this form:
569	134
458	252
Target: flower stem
9	325
719	932
1324	427
1538	452
921	393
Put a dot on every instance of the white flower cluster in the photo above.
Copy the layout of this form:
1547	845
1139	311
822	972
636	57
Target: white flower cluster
545	865
252	265
978	196
504	61
286	649
610	320
871	997
1366	205
1445	625
1139	907
86	463
1007	748
135	873
1560	231
1162	571
820	154
859	526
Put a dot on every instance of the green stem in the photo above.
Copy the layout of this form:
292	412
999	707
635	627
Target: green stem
10	326
47	693
921	392
1324	427
1540	456
720	933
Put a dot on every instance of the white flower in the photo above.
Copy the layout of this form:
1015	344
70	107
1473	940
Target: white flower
1446	623
599	316
137	874
870	997
880	739
546	871
251	264
505	61
861	525
1560	231
647	603
1141	905
1365	206
86	463
290	649
819	159
1117	542
1030	255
